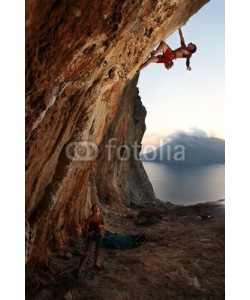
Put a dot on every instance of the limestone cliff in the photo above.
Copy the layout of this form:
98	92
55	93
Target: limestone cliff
81	61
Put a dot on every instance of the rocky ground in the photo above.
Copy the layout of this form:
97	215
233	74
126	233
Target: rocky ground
184	258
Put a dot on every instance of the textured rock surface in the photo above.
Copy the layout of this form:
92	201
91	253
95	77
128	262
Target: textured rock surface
80	55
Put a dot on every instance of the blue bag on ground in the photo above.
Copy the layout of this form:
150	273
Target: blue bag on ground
117	241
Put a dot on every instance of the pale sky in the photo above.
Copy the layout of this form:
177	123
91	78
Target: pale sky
178	99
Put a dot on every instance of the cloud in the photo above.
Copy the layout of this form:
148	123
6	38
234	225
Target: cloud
193	131
156	139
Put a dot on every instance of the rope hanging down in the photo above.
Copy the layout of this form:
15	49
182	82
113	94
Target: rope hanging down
91	180
105	159
91	174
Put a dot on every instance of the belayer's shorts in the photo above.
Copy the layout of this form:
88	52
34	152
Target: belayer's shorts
93	240
168	56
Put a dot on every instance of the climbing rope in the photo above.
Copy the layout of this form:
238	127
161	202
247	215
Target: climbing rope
91	180
105	160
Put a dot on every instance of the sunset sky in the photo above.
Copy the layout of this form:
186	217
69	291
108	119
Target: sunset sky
189	101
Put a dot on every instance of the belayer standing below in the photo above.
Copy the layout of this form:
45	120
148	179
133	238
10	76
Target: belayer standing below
94	226
168	54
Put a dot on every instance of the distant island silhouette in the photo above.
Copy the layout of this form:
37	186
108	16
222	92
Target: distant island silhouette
189	150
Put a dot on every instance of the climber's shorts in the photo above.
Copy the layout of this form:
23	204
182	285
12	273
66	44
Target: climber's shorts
168	56
91	240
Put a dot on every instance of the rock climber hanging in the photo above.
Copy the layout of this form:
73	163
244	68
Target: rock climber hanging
168	54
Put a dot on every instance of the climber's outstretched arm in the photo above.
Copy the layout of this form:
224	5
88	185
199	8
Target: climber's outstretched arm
188	64
182	38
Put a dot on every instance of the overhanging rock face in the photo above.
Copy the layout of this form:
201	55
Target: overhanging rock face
81	62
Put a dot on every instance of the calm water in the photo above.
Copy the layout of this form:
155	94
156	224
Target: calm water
187	185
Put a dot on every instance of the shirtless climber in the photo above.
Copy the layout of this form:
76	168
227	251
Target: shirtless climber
168	54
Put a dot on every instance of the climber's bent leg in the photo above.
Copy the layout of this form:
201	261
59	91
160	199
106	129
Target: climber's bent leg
147	62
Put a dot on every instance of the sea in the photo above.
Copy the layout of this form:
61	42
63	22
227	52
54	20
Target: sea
186	185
